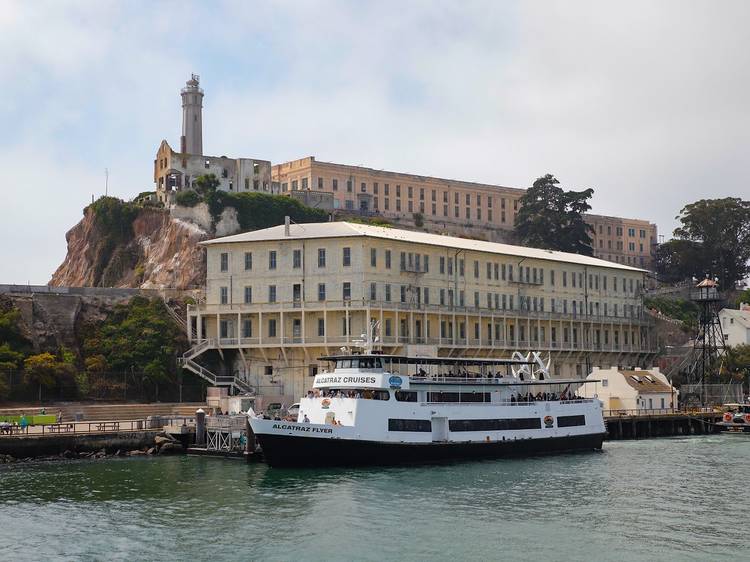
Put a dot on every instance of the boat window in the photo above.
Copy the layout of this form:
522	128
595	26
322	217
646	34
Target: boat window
495	425
381	395
406	396
344	364
458	397
369	363
409	425
570	421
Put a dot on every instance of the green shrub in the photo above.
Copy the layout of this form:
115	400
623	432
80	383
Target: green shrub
679	309
188	198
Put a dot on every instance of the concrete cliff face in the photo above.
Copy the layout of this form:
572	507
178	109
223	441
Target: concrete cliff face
160	251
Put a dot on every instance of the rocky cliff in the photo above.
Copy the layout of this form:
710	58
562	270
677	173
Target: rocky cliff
153	250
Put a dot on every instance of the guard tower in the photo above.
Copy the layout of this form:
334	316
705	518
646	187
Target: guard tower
709	342
191	141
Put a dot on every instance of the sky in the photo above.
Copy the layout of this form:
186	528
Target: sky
646	102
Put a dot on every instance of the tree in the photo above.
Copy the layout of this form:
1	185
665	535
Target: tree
721	229
206	184
737	363
552	218
46	370
677	260
744	296
139	339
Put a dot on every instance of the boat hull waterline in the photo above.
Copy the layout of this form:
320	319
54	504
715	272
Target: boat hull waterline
295	450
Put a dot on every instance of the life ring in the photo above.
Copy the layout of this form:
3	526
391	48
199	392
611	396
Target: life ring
728	417
747	418
549	421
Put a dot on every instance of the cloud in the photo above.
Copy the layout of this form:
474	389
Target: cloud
643	101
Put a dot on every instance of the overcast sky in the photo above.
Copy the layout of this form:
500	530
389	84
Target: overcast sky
646	102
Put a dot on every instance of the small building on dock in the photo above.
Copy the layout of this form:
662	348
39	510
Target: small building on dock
632	390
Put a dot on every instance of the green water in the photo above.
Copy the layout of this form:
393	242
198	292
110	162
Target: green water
660	499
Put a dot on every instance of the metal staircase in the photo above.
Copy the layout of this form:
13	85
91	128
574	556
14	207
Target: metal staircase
235	384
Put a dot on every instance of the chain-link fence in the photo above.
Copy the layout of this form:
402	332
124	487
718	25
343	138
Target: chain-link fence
106	387
711	394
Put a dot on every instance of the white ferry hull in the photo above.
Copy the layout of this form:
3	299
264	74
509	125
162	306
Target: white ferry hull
291	444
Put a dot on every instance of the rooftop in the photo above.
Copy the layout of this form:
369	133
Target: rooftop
645	382
349	230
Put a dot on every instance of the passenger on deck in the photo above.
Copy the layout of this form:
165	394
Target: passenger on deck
305	419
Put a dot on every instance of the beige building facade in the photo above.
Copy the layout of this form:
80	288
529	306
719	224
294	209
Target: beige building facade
277	299
452	207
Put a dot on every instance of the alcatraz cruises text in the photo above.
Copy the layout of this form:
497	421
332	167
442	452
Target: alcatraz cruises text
338	379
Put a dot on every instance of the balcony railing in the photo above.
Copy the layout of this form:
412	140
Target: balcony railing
468	343
413	307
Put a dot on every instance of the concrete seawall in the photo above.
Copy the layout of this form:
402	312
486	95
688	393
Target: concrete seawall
39	446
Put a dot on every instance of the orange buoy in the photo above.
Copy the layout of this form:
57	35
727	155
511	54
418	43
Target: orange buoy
728	417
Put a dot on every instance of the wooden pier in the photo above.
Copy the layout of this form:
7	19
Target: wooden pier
640	424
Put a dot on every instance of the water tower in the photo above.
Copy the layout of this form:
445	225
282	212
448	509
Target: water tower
709	342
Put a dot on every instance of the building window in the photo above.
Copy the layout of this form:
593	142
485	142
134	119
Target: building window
363	187
247	329
272	293
347	257
373	292
294	185
426	263
373	257
321	257
320	183
272	328
248	261
349	186
297	259
427	298
335	184
387	293
387	259
224	295
321	291
347	291
403	293
224	261
248	295
272	259
304	183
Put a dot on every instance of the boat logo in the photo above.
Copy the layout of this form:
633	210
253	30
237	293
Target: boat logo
549	421
325	403
395	381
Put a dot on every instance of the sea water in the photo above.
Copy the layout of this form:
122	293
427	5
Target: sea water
659	499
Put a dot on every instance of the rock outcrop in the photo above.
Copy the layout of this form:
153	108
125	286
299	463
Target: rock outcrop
162	251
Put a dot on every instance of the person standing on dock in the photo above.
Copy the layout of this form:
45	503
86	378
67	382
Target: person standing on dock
23	422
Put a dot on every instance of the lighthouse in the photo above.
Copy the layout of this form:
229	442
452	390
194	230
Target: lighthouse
191	141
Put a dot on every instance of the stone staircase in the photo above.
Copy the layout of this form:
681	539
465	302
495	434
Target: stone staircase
175	314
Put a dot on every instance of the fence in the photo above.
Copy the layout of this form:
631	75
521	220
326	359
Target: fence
108	387
77	428
725	393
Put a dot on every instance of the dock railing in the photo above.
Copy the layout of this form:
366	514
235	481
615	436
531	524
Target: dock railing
152	423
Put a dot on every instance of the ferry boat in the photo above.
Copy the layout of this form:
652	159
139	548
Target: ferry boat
736	419
374	409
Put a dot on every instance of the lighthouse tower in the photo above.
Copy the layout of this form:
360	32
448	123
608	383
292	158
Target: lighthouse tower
191	141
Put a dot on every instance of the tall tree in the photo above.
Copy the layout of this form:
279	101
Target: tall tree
722	229
552	218
678	260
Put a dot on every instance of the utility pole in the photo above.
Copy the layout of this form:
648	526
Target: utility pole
106	181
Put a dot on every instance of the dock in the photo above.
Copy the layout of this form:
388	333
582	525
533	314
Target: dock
643	424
